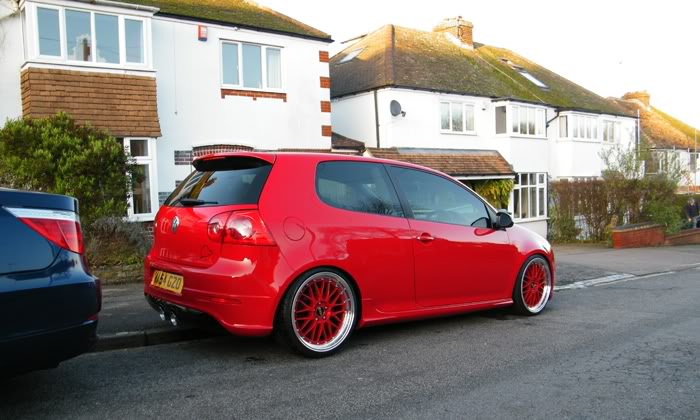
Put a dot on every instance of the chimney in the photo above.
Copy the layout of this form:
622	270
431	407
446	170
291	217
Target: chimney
641	96
458	27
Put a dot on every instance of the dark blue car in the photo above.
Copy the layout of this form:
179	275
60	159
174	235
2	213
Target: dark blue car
48	299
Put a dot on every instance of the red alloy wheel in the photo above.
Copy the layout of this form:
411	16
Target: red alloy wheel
323	311
536	285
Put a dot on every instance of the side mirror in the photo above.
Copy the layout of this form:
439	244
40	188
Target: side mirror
503	220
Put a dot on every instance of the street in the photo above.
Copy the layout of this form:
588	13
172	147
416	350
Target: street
623	350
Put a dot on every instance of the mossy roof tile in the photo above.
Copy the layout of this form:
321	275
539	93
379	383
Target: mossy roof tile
234	12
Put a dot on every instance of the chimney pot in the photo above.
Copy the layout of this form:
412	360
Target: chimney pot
458	27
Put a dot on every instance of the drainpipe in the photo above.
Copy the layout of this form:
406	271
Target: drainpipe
376	117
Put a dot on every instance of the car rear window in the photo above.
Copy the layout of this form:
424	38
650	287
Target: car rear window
357	186
222	182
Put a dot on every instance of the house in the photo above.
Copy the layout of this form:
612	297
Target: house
171	79
475	111
670	141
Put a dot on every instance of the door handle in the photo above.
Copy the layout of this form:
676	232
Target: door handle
425	238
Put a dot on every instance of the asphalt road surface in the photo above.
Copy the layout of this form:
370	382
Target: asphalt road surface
623	350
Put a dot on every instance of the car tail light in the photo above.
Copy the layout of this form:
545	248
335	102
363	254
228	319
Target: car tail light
58	226
240	228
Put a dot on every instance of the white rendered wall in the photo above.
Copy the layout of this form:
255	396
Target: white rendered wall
191	109
11	60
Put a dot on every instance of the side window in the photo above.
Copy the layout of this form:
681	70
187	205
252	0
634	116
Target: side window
435	199
357	186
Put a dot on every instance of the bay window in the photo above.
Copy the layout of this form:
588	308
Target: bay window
527	120
611	131
529	196
583	127
251	66
89	37
457	117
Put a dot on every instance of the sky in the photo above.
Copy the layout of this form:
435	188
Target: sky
610	47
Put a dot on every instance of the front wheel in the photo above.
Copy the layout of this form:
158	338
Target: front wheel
534	286
318	313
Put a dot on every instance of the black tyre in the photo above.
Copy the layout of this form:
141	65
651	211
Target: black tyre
533	286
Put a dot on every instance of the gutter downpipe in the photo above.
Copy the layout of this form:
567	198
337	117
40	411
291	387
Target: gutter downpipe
376	117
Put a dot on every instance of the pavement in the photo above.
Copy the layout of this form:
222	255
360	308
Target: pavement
127	320
628	349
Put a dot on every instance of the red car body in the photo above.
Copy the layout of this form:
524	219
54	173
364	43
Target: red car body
401	268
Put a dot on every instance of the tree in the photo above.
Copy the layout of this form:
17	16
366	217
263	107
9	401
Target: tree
57	155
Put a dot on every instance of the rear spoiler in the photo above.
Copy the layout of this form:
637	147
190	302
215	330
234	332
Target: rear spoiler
219	161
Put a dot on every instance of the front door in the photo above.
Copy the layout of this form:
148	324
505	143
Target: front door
458	257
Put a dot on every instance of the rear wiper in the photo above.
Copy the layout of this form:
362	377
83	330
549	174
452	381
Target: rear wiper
191	202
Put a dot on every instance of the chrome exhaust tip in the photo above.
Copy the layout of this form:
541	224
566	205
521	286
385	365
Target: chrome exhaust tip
174	320
163	315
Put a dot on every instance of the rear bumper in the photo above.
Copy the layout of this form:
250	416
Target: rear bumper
46	350
241	294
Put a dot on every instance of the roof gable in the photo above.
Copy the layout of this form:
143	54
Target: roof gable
244	13
404	57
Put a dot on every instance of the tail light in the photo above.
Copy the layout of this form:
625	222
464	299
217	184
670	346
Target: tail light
58	226
239	228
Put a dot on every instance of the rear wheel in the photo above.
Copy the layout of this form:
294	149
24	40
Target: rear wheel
318	313
534	286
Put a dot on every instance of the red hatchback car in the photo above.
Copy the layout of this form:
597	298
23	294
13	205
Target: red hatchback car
312	246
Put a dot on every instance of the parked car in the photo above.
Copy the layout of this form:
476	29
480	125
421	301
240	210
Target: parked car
312	246
48	300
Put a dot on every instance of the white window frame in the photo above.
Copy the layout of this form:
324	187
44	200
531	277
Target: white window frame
540	121
149	160
540	188
611	126
121	36
463	106
263	66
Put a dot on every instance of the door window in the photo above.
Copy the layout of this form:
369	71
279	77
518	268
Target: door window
436	199
357	186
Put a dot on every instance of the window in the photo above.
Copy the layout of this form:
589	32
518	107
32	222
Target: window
563	126
527	120
223	182
532	78
251	66
49	32
436	199
501	123
90	37
694	161
144	195
530	196
611	131
357	186
351	55
457	117
583	127
133	40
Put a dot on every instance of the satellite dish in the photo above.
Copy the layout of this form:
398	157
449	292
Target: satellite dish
395	108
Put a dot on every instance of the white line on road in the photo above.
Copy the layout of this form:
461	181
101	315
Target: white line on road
615	278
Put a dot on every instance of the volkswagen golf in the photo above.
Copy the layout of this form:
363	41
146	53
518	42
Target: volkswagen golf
312	246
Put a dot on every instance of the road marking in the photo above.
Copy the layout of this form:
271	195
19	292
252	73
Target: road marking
614	278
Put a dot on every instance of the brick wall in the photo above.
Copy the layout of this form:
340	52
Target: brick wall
686	237
638	237
183	157
325	82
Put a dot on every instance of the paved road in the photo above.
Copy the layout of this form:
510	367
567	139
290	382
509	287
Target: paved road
623	350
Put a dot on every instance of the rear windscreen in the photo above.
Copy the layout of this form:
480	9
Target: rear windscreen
223	182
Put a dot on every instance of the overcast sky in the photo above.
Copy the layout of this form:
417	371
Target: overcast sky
610	47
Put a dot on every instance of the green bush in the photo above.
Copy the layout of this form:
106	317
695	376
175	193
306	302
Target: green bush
664	214
114	241
58	155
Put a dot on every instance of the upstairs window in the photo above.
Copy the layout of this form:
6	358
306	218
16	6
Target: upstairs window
456	117
527	120
89	37
611	131
584	127
251	66
532	78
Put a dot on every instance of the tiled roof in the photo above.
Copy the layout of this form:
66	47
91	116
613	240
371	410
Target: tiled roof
404	57
341	142
451	162
244	13
658	129
123	105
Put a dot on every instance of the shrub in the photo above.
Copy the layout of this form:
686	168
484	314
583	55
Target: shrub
58	155
114	241
664	214
495	191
